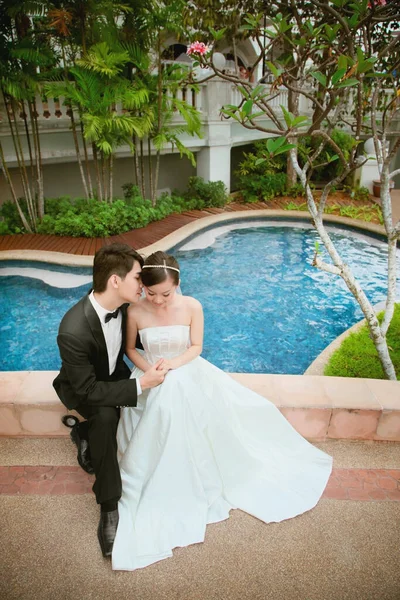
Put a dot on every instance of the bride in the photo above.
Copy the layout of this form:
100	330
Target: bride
199	444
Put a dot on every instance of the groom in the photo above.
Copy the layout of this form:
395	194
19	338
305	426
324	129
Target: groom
94	379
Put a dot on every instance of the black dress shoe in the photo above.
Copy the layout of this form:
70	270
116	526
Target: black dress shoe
107	531
82	444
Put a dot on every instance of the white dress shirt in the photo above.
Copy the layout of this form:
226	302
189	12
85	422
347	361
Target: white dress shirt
112	335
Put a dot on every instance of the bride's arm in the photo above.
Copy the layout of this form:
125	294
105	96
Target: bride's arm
196	337
131	335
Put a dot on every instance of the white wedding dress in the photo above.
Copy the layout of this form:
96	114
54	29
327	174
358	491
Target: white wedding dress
199	445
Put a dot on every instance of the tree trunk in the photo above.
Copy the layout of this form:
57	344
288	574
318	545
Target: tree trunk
157	172
39	167
39	199
9	182
293	107
78	152
136	162
22	167
87	163
344	271
96	166
386	204
111	176
103	176
28	139
152	187
159	114
142	179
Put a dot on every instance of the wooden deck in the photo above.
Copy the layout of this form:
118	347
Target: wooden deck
136	238
139	238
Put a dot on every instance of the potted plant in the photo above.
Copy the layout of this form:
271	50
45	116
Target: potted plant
376	187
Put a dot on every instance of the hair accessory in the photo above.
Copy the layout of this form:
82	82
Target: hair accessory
164	266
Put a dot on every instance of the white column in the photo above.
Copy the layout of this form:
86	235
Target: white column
214	161
214	164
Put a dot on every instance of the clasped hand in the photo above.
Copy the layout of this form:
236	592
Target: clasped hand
156	374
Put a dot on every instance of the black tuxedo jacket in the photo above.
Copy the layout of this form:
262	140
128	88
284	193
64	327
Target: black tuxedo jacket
84	377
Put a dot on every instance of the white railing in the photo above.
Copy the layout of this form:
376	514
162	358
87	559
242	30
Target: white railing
54	110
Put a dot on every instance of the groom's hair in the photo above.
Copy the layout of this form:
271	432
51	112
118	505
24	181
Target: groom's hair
114	259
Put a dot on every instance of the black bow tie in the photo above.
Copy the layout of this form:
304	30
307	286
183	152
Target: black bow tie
112	315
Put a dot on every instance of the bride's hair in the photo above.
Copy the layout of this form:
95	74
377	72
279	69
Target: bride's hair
157	267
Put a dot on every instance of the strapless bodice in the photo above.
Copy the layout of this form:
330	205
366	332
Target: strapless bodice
164	341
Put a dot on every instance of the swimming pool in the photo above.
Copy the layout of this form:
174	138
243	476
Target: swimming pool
267	310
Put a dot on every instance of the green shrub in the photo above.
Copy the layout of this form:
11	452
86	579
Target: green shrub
265	187
130	190
358	357
295	191
293	206
9	212
329	171
253	173
4	229
93	218
211	193
358	192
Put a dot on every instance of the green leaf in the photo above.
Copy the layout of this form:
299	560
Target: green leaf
255	115
284	149
278	145
288	116
360	55
319	77
217	35
257	90
270	33
244	92
342	62
367	65
353	21
348	83
337	76
247	107
300	119
274	143
259	161
333	157
276	72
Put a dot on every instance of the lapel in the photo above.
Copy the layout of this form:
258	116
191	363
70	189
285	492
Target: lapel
97	331
123	309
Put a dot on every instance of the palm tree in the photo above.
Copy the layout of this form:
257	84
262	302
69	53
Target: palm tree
24	52
153	23
99	91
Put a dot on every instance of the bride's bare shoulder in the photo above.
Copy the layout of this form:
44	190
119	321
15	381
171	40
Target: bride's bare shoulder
191	303
137	309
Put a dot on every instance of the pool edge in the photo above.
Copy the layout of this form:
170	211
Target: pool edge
317	407
181	234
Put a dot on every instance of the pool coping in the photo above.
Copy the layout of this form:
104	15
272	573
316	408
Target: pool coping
318	407
184	232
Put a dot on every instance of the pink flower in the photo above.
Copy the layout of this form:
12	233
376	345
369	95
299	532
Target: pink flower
377	3
197	48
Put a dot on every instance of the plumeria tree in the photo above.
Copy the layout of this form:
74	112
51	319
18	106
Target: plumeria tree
329	54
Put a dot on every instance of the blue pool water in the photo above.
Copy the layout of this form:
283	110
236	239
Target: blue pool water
267	310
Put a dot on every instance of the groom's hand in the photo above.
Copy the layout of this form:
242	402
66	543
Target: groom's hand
154	376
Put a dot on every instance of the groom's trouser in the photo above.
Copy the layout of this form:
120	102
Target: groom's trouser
102	437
